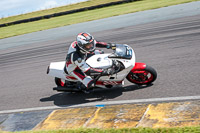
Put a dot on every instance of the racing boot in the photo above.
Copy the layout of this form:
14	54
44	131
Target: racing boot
69	84
84	89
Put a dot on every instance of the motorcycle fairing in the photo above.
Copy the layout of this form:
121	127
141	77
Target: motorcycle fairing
56	69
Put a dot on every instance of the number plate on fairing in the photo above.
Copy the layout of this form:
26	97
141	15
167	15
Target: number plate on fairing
99	61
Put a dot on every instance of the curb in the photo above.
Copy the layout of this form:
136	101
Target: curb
153	115
176	114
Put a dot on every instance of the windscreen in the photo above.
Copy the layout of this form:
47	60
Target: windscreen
122	51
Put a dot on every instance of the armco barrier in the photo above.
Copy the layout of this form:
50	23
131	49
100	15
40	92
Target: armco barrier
65	13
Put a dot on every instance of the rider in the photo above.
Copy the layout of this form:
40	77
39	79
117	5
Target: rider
79	51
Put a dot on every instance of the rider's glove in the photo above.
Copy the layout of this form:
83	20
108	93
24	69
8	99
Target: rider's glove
111	46
108	71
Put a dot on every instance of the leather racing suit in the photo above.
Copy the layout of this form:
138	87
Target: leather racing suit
76	63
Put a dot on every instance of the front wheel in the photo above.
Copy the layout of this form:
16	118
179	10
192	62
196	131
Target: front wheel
142	77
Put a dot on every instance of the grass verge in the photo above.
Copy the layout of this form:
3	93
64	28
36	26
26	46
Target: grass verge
124	130
86	16
55	10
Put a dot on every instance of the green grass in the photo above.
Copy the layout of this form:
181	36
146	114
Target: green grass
125	130
55	10
86	16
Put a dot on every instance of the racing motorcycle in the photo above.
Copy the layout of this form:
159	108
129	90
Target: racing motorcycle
122	60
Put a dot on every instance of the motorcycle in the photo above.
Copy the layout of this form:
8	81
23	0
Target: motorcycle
122	60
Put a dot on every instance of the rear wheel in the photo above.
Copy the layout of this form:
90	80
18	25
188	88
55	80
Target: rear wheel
142	77
59	82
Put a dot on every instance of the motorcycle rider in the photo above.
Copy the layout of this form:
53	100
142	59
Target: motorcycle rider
78	52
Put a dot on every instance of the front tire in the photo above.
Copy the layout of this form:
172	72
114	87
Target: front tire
142	77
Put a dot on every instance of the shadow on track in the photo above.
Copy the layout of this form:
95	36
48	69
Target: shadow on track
67	98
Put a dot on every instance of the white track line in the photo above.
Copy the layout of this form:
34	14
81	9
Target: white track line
166	99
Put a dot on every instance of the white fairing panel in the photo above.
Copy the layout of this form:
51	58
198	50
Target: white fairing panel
99	61
56	69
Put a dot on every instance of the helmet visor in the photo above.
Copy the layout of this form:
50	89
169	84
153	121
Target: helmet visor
89	46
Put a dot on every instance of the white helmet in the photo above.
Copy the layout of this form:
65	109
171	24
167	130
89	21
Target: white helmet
86	42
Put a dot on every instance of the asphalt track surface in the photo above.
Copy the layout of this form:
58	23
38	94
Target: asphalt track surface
172	47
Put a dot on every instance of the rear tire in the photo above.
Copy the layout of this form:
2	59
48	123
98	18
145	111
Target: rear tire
142	77
59	82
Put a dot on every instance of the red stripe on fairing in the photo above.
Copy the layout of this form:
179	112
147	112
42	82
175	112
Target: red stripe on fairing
107	82
70	77
97	70
99	83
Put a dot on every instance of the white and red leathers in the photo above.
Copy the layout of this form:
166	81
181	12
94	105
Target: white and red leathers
76	63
